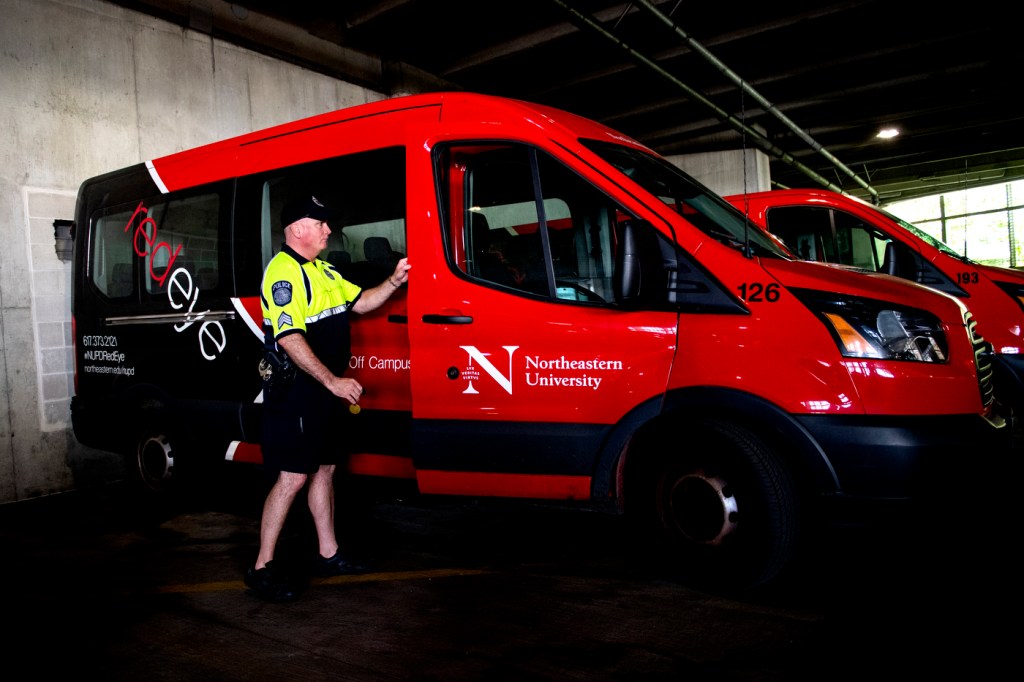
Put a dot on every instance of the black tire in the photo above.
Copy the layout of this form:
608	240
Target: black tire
721	504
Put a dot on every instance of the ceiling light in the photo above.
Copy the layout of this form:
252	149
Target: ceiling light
887	133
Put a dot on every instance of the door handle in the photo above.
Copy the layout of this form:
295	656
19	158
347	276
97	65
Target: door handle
447	319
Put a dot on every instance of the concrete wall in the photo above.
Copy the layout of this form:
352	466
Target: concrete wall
87	87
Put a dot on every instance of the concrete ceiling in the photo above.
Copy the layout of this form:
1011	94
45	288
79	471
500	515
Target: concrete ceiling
809	83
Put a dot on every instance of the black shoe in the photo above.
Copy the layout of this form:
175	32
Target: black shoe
336	565
270	585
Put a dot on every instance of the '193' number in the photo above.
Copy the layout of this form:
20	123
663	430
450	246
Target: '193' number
966	278
755	292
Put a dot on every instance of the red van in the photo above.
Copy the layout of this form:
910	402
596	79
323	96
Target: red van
584	324
829	227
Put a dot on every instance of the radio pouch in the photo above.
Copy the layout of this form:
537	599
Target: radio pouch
277	371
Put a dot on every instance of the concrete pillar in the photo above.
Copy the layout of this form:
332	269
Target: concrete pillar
724	173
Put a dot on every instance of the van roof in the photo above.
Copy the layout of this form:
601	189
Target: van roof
304	140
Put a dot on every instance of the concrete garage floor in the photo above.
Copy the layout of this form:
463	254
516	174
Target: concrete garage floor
96	585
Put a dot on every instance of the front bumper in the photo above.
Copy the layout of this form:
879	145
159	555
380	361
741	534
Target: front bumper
905	457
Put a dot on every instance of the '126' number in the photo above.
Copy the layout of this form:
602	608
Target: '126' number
755	292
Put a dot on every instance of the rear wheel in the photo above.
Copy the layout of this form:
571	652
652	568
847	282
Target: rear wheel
722	504
165	462
153	464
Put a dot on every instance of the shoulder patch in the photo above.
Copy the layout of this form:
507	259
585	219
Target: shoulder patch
282	292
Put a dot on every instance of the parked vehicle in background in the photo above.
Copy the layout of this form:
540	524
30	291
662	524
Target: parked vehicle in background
584	324
829	227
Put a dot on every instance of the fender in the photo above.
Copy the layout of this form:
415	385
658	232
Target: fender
759	414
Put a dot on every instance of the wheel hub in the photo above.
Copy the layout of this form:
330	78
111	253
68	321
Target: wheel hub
702	508
155	461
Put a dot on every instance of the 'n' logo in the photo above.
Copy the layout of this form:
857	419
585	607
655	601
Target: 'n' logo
471	372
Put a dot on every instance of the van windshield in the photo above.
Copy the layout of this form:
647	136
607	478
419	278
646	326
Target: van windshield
921	234
705	210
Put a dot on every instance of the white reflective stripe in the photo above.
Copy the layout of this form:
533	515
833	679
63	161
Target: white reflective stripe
156	178
337	310
230	454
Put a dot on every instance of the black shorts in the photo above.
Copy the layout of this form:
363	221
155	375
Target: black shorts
307	430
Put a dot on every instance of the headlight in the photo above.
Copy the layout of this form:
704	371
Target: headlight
866	328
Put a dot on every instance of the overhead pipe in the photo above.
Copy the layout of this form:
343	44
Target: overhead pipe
768	106
757	138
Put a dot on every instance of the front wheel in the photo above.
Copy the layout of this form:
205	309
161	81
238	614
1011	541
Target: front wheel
722	504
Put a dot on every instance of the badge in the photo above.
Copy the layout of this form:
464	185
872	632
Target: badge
282	292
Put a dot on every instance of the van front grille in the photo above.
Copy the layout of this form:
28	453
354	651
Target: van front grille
982	360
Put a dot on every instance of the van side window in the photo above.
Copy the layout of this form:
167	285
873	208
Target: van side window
862	244
516	218
808	231
111	259
189	227
368	189
137	246
829	236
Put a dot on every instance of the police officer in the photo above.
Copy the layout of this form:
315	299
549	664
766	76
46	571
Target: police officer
306	306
